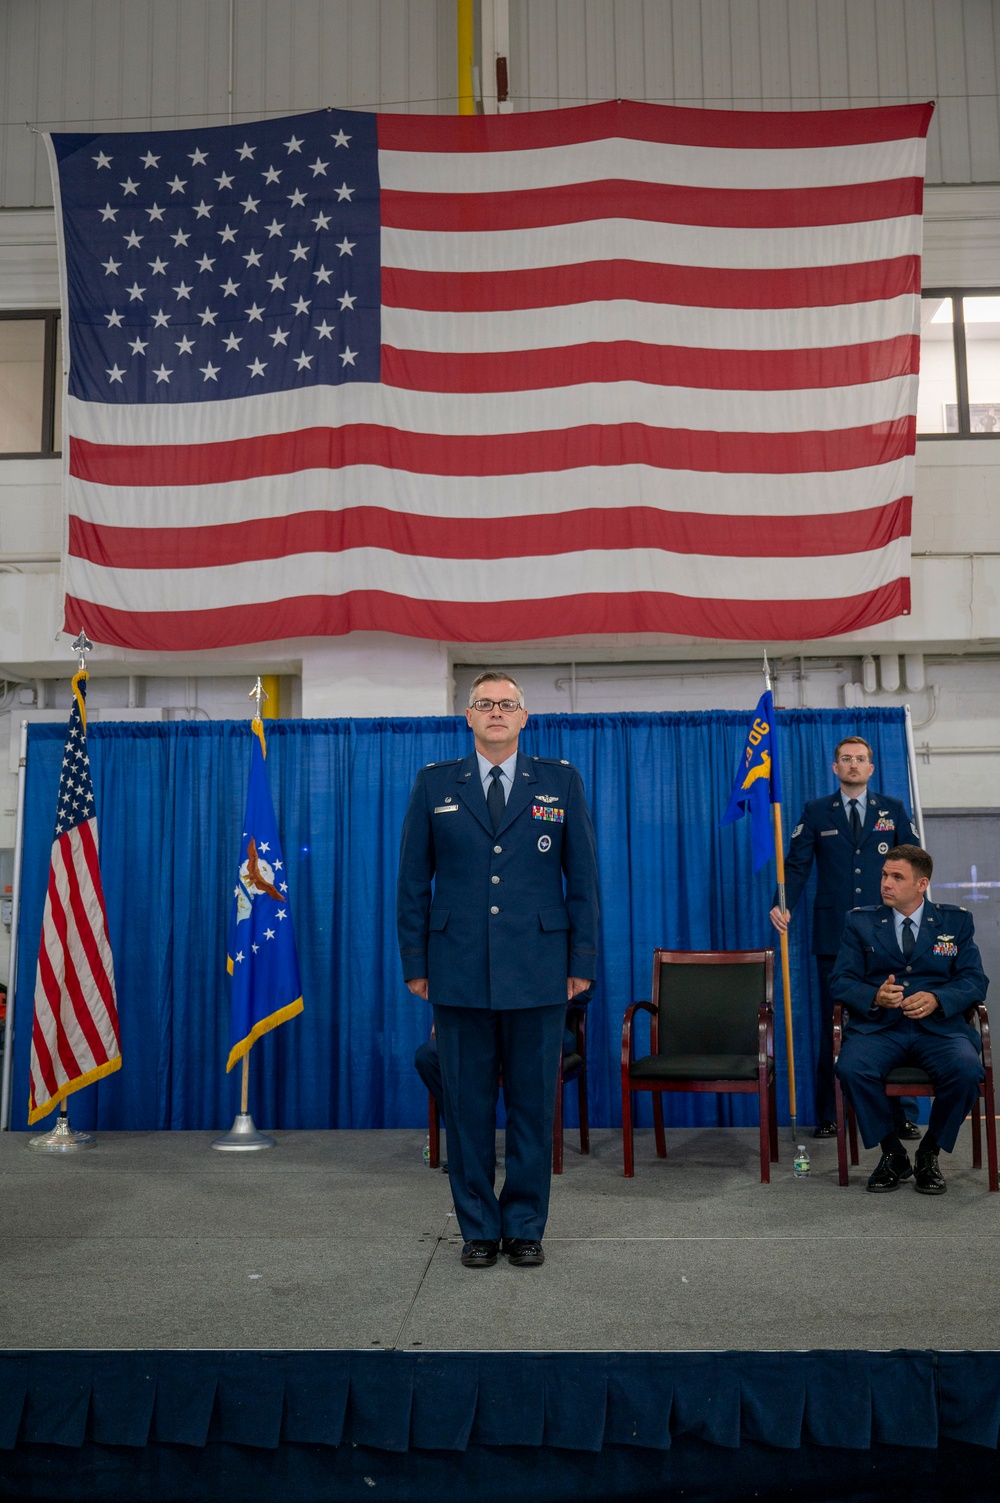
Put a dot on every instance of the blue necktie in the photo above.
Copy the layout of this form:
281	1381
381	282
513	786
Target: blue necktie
909	938
855	821
495	801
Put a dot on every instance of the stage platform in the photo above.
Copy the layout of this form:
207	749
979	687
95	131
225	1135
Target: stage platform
181	1323
347	1241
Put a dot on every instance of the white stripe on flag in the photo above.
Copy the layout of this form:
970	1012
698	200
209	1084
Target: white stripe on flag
481	581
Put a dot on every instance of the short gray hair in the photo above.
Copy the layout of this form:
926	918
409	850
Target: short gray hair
494	676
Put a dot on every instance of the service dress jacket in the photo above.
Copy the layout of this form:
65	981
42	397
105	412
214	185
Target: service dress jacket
945	961
848	876
498	920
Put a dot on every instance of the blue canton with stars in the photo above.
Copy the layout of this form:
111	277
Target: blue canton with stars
76	788
216	263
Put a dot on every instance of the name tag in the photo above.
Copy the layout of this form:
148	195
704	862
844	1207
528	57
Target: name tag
446	809
552	816
829	832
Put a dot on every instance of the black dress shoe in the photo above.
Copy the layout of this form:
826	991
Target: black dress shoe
825	1130
522	1252
928	1179
910	1131
890	1171
479	1254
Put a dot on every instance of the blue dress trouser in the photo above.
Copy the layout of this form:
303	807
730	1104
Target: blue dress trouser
904	1108
951	1060
474	1046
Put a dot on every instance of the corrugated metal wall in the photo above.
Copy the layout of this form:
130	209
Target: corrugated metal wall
775	55
76	64
129	64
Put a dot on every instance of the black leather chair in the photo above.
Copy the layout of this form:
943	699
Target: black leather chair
910	1080
711	1030
572	1069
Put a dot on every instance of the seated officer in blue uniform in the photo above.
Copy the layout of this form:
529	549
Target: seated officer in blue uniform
848	834
497	912
906	972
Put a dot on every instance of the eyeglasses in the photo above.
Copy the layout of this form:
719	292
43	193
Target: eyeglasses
859	760
508	706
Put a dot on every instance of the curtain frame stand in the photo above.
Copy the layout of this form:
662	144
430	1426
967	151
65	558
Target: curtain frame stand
15	911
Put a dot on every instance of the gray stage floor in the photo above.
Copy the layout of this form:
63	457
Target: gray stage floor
346	1240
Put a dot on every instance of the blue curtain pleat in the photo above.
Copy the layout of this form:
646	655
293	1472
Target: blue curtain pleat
773	1400
381	1401
123	1391
904	1413
317	1385
185	1399
445	1396
250	1399
838	1410
170	800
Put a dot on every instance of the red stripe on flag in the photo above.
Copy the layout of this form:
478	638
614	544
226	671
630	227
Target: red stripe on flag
652	364
670	125
71	980
498	621
43	1062
88	937
492	454
659	203
649	282
604	528
55	985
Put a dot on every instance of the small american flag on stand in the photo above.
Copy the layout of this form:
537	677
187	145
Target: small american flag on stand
75	1038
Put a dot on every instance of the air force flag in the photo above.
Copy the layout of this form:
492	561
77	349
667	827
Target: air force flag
757	783
261	957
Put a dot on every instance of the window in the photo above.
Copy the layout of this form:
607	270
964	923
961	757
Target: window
30	385
959	363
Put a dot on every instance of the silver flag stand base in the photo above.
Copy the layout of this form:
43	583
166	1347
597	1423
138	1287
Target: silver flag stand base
62	1139
243	1137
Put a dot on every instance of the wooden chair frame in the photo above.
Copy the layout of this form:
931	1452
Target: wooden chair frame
764	1086
576	1018
847	1127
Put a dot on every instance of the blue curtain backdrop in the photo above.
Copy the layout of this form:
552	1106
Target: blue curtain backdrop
170	801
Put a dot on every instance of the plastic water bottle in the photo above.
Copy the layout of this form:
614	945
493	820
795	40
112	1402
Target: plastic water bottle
800	1163
427	1152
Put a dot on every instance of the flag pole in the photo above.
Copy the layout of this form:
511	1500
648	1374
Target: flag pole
63	1138
244	1136
786	980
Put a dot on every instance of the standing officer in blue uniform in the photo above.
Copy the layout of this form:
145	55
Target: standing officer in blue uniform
906	972
497	911
849	834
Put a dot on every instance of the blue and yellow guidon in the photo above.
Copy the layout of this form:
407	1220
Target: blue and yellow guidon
757	785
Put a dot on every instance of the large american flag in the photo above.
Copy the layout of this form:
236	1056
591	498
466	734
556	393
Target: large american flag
74	1038
621	368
